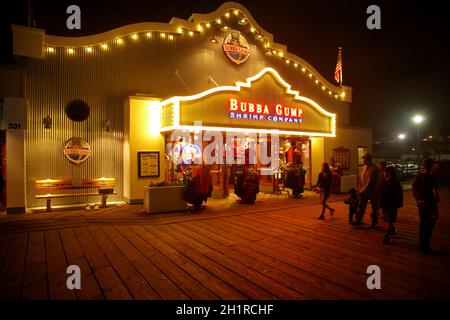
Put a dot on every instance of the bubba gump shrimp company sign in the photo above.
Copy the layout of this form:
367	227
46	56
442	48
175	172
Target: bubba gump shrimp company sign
256	111
236	48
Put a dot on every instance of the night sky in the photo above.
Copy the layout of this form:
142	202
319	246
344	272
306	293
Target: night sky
395	72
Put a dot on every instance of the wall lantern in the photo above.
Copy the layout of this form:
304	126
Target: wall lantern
47	122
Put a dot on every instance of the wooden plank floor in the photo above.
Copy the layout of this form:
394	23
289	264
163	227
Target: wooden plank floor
275	249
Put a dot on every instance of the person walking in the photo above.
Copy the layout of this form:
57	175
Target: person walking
368	188
426	194
391	199
324	187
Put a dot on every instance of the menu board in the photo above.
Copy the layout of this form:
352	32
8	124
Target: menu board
341	158
148	164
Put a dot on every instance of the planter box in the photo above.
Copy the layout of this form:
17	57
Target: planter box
164	199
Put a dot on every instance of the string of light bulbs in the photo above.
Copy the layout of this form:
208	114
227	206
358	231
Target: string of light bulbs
200	28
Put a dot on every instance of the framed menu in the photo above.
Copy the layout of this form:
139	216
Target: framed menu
148	164
342	158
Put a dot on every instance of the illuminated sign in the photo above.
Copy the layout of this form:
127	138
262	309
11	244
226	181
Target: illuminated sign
191	153
256	111
186	153
236	47
264	102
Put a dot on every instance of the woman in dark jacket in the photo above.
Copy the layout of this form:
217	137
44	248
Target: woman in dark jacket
324	187
391	198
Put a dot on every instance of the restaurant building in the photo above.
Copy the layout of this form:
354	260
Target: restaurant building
101	109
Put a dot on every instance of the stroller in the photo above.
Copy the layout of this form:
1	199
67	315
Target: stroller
295	180
247	186
357	206
198	190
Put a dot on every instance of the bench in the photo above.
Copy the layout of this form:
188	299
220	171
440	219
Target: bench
104	187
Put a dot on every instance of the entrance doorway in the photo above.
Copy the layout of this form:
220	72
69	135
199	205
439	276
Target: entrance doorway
182	153
2	170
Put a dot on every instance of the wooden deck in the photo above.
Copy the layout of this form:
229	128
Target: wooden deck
275	249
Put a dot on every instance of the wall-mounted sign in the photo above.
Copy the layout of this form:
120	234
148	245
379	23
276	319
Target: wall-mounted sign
148	164
264	102
77	150
236	47
13	114
257	111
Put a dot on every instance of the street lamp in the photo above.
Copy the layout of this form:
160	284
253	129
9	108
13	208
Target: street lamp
418	119
401	137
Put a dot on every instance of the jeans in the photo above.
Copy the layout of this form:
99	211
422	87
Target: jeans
374	204
427	216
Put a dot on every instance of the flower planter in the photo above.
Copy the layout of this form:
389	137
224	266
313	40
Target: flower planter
164	199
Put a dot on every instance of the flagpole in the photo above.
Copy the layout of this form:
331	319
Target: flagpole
342	65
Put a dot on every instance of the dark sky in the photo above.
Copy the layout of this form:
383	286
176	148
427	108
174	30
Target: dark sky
395	72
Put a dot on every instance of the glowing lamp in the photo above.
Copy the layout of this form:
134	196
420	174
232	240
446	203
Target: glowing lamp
418	119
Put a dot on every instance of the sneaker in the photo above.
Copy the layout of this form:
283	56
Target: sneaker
322	217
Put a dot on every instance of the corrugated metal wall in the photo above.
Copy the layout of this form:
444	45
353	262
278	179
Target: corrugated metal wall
162	66
103	79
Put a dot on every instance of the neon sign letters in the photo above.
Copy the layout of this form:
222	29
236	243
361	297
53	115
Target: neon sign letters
256	111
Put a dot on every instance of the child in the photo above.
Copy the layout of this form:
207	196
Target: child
352	202
391	198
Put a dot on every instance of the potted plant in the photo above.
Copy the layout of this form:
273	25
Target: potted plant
164	197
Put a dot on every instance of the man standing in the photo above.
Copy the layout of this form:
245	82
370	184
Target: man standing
368	188
426	194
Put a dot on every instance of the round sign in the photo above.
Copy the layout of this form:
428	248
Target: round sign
77	150
236	47
191	153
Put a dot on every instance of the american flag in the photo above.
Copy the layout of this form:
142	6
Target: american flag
338	71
